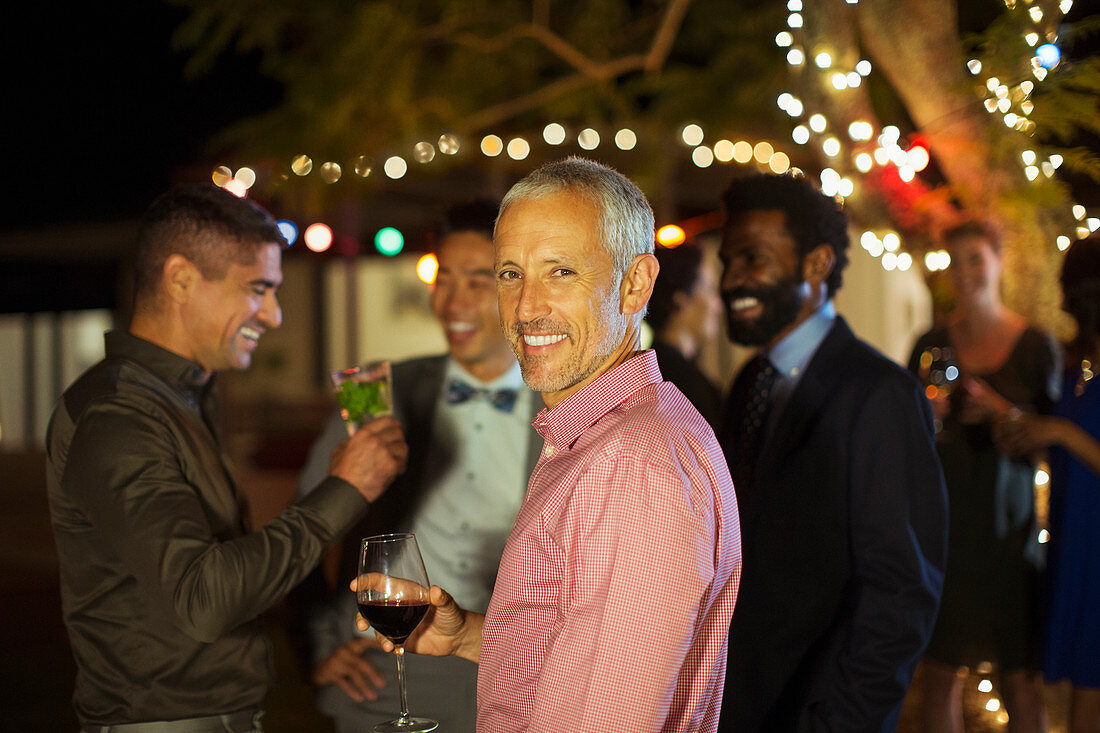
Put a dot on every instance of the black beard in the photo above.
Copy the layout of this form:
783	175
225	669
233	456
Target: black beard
780	302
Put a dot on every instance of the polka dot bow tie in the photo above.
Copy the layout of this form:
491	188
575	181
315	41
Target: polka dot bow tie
502	399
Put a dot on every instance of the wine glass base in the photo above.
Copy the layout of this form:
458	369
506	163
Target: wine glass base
409	725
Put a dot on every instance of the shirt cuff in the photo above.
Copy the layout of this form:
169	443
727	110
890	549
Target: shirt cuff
337	504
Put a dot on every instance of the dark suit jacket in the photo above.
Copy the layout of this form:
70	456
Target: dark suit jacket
844	541
689	379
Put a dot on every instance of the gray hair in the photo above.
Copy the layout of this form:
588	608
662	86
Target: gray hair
626	218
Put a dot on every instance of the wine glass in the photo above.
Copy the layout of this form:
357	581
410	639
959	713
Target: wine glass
392	594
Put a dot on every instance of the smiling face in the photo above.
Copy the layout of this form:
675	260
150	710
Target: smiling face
559	294
761	283
464	300
975	270
224	319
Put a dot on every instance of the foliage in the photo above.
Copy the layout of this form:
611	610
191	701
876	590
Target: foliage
365	76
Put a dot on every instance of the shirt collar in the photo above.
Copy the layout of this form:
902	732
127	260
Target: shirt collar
183	374
511	379
791	355
562	425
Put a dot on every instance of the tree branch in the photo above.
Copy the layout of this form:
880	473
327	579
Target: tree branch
506	110
666	34
553	43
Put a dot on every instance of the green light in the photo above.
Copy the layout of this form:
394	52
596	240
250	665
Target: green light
389	241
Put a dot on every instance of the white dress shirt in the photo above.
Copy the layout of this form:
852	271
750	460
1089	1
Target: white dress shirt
468	513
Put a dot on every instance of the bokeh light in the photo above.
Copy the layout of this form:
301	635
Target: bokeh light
318	237
448	143
518	148
670	235
389	241
1048	55
288	230
301	165
426	268
221	175
553	134
331	172
625	139
692	135
395	167
364	166
423	152
702	156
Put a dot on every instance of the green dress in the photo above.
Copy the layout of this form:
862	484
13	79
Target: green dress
989	610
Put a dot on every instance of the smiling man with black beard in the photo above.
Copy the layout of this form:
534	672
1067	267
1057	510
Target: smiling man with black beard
843	508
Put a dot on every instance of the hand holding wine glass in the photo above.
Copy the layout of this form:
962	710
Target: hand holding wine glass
448	630
392	594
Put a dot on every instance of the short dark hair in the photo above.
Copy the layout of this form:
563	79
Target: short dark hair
1081	291
478	216
208	225
679	273
974	229
812	218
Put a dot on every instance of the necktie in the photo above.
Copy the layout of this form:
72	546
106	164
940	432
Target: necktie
759	378
502	399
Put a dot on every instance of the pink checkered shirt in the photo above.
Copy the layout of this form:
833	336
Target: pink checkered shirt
614	596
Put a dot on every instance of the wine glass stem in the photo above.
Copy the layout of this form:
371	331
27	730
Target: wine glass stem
400	652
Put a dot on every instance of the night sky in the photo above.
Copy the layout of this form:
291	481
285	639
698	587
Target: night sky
103	113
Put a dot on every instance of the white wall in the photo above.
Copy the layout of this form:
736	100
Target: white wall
886	309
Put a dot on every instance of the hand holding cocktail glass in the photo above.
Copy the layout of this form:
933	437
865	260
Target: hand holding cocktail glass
376	451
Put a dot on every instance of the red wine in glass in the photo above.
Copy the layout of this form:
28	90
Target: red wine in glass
392	593
394	620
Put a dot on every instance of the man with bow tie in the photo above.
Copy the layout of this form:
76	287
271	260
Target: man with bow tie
467	417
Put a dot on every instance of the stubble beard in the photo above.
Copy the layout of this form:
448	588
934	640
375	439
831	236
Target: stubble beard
576	368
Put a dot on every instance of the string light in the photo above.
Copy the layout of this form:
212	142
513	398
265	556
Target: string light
331	172
588	139
301	165
492	145
518	148
395	167
671	235
423	152
702	156
289	231
448	144
553	134
692	134
318	237
1013	103
427	267
625	139
742	152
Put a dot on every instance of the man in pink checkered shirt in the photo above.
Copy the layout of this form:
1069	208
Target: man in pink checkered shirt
615	592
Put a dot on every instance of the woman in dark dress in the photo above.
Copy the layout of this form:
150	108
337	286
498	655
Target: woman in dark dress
1072	629
684	312
985	363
